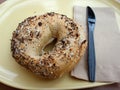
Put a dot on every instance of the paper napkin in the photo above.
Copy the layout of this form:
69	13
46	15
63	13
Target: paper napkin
107	45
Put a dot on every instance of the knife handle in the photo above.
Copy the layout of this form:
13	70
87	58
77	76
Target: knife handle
91	53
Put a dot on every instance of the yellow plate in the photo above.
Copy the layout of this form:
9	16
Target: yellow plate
14	11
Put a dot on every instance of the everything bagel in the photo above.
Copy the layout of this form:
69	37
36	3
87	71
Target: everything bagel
34	33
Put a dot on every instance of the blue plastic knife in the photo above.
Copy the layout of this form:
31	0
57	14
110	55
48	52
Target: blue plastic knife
91	49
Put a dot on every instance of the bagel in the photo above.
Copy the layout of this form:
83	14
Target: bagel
35	33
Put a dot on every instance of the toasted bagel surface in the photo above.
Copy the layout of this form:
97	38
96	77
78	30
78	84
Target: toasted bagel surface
34	33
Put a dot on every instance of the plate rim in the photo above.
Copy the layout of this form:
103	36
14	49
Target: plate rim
19	87
76	87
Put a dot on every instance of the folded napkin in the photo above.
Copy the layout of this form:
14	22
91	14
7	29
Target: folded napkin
118	1
107	45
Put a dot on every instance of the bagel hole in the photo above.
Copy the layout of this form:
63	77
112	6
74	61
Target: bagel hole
50	46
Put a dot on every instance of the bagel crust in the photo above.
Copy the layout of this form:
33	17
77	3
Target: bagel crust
34	33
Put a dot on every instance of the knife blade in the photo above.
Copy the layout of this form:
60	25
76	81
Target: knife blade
91	19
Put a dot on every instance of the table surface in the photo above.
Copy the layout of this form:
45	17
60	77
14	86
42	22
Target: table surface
115	86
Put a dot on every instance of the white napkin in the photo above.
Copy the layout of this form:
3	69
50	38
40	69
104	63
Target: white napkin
107	45
117	1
